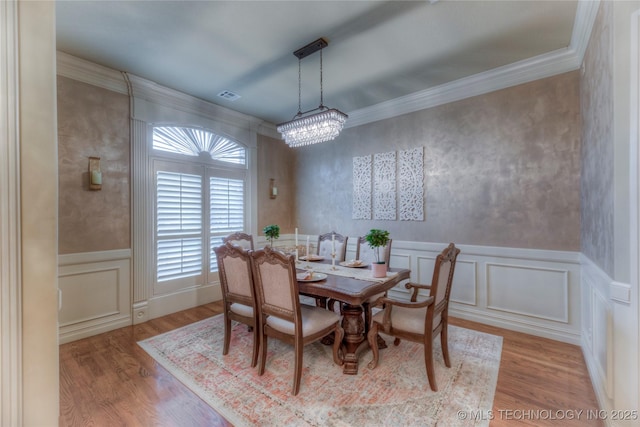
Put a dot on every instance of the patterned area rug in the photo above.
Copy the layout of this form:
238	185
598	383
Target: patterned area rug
395	393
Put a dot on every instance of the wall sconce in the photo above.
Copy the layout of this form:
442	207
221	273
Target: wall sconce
95	175
273	190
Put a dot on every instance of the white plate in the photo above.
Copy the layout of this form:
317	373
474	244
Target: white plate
312	258
350	265
316	277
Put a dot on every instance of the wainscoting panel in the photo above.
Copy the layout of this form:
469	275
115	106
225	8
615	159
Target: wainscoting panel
464	289
95	292
527	290
597	329
542	293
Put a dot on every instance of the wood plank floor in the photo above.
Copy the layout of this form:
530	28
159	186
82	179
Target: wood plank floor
108	380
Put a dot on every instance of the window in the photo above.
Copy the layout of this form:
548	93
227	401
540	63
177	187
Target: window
194	142
179	225
227	210
184	159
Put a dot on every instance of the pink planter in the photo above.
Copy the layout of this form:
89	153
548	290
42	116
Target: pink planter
379	270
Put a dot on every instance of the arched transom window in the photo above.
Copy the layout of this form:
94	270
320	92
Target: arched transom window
195	142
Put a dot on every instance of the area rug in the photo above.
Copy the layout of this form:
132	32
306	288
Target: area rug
396	393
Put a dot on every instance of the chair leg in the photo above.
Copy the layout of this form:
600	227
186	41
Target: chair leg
428	360
337	343
256	346
372	337
444	341
227	334
298	368
263	353
396	341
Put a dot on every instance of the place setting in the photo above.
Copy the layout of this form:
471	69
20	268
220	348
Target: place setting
354	263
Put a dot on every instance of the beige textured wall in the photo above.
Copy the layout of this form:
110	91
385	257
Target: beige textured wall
276	160
38	192
93	122
501	169
597	187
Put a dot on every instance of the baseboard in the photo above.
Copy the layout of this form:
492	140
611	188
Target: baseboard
162	305
509	323
604	403
75	332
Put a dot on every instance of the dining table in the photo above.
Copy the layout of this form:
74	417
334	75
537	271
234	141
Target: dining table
351	286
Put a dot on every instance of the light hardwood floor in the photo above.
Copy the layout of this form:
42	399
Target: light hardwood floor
108	380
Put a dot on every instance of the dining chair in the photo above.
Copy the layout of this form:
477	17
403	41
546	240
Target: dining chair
281	315
420	321
238	293
241	239
325	245
365	253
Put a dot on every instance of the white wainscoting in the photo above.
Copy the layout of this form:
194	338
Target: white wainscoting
526	290
531	291
597	329
95	291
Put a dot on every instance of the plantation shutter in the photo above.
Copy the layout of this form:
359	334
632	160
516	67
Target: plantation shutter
226	211
178	225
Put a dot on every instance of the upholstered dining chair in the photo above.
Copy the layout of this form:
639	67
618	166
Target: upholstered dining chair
243	240
420	321
281	315
325	245
365	253
238	293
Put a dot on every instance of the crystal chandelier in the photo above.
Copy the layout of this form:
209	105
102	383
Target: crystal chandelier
306	128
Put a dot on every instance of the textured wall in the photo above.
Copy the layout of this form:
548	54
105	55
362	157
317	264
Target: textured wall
501	169
92	122
276	160
596	184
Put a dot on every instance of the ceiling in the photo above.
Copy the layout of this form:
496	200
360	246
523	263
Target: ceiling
378	50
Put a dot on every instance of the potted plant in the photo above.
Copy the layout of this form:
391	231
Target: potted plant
271	232
377	239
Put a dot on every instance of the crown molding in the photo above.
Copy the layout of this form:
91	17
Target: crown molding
91	73
97	75
541	66
148	90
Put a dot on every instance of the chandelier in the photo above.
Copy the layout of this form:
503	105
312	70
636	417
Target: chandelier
306	128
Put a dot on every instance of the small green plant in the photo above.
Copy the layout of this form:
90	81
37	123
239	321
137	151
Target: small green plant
272	232
377	239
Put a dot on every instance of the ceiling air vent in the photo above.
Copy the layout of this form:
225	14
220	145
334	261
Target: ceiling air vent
228	95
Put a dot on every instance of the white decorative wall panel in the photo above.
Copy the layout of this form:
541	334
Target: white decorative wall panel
384	192
411	184
529	291
601	320
96	293
89	295
464	287
362	187
526	290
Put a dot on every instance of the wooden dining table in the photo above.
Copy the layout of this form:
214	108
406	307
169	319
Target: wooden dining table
352	293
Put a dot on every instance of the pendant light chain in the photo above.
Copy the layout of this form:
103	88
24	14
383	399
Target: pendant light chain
321	96
299	86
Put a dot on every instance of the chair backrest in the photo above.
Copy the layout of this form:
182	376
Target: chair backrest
274	275
325	245
236	276
441	283
243	240
366	254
